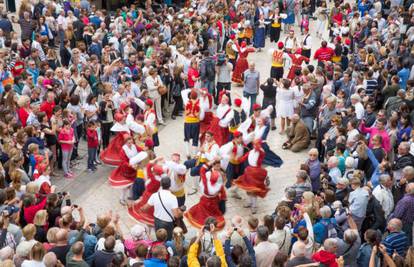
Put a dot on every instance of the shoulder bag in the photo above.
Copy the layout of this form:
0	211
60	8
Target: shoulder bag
178	222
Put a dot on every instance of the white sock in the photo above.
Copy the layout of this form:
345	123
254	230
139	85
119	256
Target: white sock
124	193
194	150
253	200
196	182
187	148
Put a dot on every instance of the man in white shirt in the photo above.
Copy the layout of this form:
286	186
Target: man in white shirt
383	194
265	250
36	45
359	108
165	207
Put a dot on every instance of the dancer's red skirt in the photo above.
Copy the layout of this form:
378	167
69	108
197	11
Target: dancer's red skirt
207	207
110	155
221	135
253	181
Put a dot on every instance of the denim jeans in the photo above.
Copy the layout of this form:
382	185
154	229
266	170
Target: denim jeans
252	100
308	121
209	85
91	157
66	154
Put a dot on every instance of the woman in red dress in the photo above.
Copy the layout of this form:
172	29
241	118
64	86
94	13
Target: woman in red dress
241	65
212	186
220	123
123	176
155	172
110	155
297	60
254	177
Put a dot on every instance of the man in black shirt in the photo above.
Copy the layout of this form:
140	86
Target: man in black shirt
62	247
104	257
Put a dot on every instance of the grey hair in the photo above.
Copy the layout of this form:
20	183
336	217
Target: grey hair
405	145
384	178
350	236
299	249
302	174
410	189
395	224
325	212
262	233
408	170
329	244
290	193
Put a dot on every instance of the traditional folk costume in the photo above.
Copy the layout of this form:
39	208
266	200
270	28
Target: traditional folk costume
275	27
254	179
209	205
206	110
259	34
191	120
208	151
123	176
241	65
307	44
220	122
176	172
231	153
261	130
110	155
154	175
150	119
237	116
138	163
279	60
231	50
297	60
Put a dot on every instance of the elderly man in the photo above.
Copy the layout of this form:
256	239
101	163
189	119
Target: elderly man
298	256
302	183
383	194
403	160
265	250
298	134
326	256
400	187
348	247
308	107
397	240
405	211
393	103
251	84
359	108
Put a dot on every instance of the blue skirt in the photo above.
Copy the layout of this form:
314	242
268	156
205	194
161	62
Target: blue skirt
271	159
290	19
259	38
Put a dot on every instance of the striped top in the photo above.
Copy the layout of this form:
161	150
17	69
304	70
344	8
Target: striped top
370	87
396	241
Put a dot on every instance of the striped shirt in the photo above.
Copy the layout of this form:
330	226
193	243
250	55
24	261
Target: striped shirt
370	87
396	241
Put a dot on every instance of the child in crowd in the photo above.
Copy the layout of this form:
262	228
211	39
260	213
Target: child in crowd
66	139
253	223
93	143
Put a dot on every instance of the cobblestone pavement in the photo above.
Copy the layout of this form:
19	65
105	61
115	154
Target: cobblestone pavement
95	195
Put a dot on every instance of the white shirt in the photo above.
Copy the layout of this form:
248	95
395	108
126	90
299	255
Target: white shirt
170	202
130	152
174	170
385	198
359	110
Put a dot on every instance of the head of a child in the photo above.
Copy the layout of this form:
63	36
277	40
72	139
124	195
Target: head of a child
91	125
253	222
33	148
66	125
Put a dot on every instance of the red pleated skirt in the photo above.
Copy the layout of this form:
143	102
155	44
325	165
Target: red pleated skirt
221	135
110	155
206	207
241	66
122	176
253	181
146	217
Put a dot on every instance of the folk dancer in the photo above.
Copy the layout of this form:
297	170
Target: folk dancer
212	202
123	176
110	155
208	151
254	180
279	60
231	154
241	65
176	172
191	121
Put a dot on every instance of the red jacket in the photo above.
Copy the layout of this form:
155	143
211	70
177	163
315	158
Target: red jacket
47	108
30	212
23	115
326	258
92	138
324	53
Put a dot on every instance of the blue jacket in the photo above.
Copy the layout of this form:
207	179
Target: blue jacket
154	262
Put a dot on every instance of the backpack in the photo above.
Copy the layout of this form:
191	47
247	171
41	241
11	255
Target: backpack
210	69
330	230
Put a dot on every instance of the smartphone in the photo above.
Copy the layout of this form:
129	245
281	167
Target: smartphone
75	206
68	202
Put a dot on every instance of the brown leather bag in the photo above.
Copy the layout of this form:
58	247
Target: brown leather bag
162	90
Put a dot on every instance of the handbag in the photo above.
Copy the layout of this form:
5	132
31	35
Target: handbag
178	222
162	90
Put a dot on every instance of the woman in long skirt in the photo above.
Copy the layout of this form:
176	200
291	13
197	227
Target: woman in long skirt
259	33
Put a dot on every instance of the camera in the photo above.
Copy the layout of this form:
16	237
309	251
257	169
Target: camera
235	229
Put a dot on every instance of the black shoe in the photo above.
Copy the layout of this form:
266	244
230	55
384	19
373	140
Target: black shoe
273	128
172	117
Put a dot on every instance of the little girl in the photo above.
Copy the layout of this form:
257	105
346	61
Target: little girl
340	100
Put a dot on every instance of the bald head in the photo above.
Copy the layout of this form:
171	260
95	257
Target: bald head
50	259
394	225
61	236
236	221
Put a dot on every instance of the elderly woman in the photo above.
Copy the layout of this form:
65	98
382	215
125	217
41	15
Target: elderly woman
138	236
153	82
